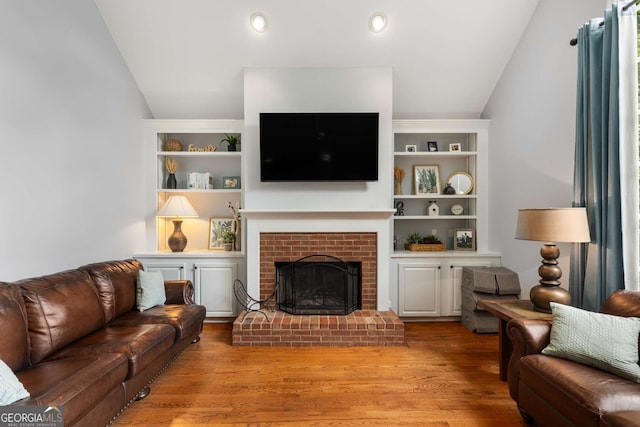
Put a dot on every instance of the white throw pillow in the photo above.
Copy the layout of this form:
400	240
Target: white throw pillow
11	389
604	341
150	289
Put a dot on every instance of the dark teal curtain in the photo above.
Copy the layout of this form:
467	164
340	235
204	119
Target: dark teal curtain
598	268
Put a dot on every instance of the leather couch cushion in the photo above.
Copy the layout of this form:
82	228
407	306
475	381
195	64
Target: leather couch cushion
141	344
14	344
116	283
61	308
76	383
580	393
186	319
621	419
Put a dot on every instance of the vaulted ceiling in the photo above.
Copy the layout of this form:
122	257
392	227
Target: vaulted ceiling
188	56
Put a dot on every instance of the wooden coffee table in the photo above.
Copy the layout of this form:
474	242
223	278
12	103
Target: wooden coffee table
506	310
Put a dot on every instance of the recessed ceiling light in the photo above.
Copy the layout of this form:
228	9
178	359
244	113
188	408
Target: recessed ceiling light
377	22
259	22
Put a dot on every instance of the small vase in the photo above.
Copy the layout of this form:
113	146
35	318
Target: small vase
171	181
227	246
398	189
231	147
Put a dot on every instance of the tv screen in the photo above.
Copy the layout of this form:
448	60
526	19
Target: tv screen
318	147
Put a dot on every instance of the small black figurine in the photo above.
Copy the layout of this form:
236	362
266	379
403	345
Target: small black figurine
448	189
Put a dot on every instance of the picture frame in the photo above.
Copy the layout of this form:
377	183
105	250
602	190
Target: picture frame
464	239
456	147
217	226
432	146
426	179
231	182
410	148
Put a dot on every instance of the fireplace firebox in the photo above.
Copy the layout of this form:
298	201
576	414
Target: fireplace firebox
318	284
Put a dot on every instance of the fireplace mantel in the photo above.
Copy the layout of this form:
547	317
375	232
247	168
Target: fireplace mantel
376	221
312	214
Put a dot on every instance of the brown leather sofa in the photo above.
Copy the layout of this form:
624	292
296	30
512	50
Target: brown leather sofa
75	338
556	392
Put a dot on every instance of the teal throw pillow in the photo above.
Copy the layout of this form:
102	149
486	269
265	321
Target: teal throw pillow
150	289
603	341
11	389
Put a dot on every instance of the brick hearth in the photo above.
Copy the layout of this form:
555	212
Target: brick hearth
365	327
360	328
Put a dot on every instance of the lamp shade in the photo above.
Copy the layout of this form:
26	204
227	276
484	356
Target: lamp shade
177	207
553	225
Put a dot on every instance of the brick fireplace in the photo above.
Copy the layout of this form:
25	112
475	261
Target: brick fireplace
287	247
286	236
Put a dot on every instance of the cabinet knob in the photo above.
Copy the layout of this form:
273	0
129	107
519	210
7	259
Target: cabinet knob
195	267
182	267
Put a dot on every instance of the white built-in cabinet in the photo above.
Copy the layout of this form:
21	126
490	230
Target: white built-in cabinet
428	284
212	271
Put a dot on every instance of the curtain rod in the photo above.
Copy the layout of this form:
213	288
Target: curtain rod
574	42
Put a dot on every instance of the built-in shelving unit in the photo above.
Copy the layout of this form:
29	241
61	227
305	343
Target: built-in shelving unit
212	271
428	284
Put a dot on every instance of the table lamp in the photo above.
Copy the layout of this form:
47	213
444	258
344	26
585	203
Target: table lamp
551	225
177	207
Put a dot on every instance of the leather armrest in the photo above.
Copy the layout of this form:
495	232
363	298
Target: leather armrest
528	336
179	292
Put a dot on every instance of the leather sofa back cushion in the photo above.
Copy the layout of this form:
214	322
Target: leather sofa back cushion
116	282
14	336
61	308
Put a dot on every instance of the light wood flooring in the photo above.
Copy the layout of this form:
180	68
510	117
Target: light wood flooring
445	375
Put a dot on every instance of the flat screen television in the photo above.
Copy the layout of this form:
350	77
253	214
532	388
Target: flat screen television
318	147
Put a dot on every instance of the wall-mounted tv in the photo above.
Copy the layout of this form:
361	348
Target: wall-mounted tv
318	147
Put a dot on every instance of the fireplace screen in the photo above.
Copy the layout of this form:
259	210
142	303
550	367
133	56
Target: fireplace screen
318	284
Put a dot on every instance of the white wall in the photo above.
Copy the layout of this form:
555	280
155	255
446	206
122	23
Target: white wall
317	90
532	135
71	147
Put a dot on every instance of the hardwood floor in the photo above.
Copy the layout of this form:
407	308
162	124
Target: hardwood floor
444	376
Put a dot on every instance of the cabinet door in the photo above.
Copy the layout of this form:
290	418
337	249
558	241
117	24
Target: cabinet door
214	288
454	307
169	270
419	289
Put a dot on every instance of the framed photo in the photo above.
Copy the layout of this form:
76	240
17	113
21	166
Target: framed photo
426	179
410	148
464	239
231	182
217	226
455	147
432	146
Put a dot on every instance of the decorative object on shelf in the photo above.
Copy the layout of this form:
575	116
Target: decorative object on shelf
200	181
462	182
173	145
228	237
455	147
410	148
208	148
237	223
232	140
464	239
457	209
432	146
448	189
417	243
433	209
398	176
551	225
231	182
426	179
172	167
177	207
217	228
399	208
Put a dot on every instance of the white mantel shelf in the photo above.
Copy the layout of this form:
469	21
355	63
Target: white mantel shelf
311	214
